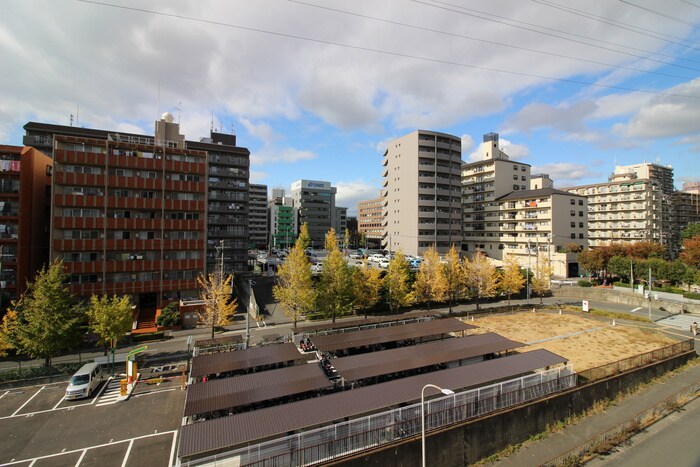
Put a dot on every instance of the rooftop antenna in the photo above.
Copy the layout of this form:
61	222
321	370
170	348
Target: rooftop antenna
71	119
77	114
233	129
211	127
179	111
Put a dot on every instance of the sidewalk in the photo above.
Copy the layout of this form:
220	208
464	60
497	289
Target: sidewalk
542	451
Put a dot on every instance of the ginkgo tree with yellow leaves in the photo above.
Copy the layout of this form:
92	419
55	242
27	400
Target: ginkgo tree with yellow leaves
294	288
480	277
430	284
219	303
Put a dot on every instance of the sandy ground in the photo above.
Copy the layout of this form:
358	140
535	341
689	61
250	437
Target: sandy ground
586	342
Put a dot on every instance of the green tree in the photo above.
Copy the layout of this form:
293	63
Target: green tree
511	280
430	285
543	274
691	230
219	304
110	318
47	321
480	277
453	275
619	266
396	282
304	236
8	331
294	288
367	287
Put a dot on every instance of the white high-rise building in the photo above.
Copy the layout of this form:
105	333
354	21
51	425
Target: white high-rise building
422	192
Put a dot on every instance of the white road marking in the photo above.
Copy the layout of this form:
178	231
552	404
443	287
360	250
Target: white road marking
636	309
172	449
71	407
28	400
110	394
6	393
128	451
97	446
81	458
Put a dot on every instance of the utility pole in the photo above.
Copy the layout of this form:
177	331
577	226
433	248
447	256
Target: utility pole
527	281
221	267
649	294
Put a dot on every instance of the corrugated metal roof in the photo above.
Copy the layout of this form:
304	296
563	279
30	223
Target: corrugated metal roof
356	322
333	342
210	364
235	430
391	361
227	393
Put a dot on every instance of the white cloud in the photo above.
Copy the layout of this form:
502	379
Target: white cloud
270	155
262	131
566	173
257	177
350	193
467	143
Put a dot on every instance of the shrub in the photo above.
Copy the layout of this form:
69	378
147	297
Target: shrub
585	283
169	316
692	295
40	371
151	336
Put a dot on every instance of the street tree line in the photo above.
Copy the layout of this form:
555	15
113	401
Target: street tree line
342	289
633	262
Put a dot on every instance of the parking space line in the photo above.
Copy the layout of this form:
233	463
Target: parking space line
172	449
58	403
71	407
29	400
97	446
104	388
6	393
81	458
128	451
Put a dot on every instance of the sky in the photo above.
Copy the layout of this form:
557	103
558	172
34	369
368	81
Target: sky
316	89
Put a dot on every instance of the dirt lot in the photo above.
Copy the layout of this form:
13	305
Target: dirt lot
586	342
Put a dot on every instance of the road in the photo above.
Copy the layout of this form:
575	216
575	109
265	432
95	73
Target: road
672	441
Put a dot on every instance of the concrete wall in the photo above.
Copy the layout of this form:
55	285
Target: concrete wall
627	298
469	442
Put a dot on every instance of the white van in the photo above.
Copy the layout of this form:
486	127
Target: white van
84	382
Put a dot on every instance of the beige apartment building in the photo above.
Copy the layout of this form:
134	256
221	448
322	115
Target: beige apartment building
543	222
483	182
635	205
686	208
370	219
422	193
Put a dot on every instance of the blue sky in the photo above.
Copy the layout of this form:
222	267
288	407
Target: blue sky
315	89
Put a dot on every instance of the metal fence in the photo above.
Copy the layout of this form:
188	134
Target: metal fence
342	439
636	361
636	423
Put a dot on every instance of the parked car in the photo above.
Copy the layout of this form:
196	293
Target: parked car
383	263
376	257
414	264
317	267
356	255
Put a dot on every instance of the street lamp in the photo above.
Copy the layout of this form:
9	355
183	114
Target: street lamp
446	392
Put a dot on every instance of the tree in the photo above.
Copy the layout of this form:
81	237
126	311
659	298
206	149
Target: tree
294	288
453	274
331	241
110	318
690	252
541	279
430	285
367	287
304	236
480	277
396	282
8	332
346	239
511	280
691	230
219	304
45	320
335	291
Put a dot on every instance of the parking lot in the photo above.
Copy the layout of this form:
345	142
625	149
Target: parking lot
39	428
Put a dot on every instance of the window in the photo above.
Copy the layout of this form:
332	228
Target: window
515	167
580	214
572	201
516	187
573	213
522	177
573	224
580	224
580	235
515	177
580	202
573	235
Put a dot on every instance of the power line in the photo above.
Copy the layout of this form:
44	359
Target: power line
509	22
502	44
663	15
619	24
385	52
687	2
